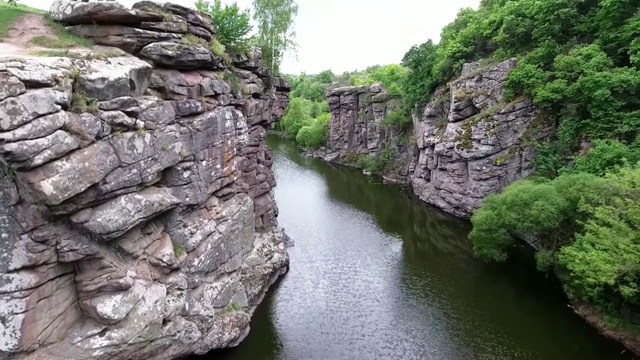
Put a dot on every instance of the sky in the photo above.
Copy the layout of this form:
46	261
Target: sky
347	35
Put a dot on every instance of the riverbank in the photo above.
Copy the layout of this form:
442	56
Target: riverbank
378	274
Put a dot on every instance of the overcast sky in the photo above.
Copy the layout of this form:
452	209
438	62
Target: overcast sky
346	35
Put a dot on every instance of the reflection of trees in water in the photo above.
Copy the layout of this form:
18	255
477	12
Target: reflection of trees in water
422	228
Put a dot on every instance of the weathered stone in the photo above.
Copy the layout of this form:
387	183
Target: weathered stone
71	175
10	86
474	147
111	12
356	128
167	173
114	78
192	16
181	56
186	107
32	153
118	216
177	25
19	110
86	127
199	31
210	87
129	39
119	120
40	127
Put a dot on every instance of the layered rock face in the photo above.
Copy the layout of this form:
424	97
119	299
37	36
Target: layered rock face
137	218
471	142
356	128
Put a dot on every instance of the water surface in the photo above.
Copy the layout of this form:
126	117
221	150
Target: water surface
375	274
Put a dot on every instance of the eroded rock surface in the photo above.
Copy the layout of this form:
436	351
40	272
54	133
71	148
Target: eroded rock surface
357	128
146	228
471	142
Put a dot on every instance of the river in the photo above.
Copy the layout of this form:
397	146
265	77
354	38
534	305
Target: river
375	274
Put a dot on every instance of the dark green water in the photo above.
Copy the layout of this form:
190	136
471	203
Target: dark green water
376	274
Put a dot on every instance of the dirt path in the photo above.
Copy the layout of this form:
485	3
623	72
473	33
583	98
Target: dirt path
23	31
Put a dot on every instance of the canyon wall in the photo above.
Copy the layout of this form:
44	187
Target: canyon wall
137	217
467	143
357	128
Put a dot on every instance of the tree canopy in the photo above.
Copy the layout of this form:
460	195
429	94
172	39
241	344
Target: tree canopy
275	20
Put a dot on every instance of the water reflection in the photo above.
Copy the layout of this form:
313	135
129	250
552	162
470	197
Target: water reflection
376	274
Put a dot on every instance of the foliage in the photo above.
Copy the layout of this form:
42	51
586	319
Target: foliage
314	134
233	25
540	210
274	20
65	38
307	119
82	103
400	119
588	225
378	163
604	260
391	76
578	60
295	118
607	155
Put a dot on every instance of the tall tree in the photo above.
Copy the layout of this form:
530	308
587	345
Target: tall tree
275	28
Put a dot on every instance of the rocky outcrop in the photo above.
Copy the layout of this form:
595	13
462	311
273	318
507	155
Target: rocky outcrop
467	143
137	218
471	142
357	128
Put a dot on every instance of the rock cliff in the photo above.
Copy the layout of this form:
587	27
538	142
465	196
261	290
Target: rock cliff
468	142
137	218
357	128
471	142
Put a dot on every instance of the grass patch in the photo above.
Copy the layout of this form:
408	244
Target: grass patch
66	39
82	103
178	250
56	53
9	14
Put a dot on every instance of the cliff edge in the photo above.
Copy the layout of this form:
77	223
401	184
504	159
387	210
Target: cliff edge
137	218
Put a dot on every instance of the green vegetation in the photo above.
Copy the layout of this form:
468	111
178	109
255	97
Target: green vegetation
65	39
82	103
579	61
378	163
10	12
61	38
178	250
274	20
232	25
307	118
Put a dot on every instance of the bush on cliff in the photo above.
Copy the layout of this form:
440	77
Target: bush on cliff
233	25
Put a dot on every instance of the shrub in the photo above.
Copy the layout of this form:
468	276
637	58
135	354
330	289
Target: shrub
607	155
232	25
314	135
604	261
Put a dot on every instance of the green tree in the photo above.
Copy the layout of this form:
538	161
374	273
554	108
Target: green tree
275	20
604	261
296	117
232	24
